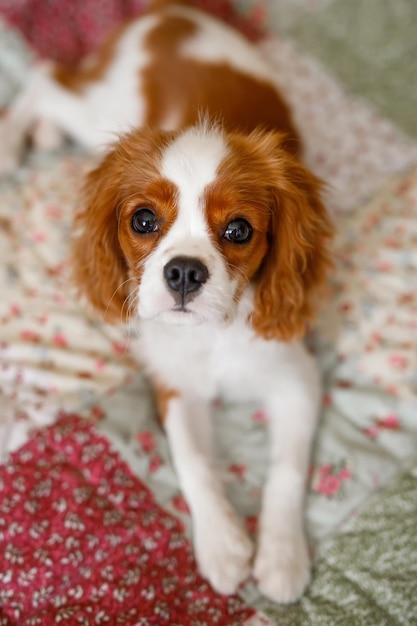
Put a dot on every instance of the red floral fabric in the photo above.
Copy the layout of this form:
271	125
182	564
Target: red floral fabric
66	30
82	541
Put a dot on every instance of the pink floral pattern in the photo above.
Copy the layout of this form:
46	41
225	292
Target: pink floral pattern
82	541
328	480
381	424
375	290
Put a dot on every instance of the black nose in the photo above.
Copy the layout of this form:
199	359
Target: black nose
184	275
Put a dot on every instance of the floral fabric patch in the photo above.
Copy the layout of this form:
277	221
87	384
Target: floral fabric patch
82	541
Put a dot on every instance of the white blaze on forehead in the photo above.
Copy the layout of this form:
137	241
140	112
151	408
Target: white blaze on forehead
191	162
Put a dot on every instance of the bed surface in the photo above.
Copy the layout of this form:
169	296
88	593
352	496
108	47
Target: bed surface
58	367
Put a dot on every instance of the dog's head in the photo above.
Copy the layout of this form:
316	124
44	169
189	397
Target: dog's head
177	225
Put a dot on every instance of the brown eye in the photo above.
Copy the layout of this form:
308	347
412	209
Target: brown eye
144	221
238	231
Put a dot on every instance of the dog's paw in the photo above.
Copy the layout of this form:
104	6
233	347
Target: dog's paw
223	551
282	566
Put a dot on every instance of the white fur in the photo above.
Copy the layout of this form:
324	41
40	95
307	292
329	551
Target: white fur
202	355
209	350
226	359
191	163
222	548
114	101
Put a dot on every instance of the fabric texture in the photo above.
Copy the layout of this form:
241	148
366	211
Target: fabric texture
53	357
370	46
367	574
83	542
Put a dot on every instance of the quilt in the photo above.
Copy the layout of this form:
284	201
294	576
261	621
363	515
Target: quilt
99	448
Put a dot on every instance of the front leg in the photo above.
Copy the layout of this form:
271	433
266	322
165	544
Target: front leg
282	565
222	548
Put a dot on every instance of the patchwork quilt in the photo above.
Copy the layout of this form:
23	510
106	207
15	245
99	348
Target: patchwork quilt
93	527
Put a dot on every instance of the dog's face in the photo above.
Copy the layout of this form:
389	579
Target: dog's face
177	225
192	238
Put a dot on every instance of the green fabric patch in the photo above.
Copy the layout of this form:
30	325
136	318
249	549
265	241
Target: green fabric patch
371	47
365	575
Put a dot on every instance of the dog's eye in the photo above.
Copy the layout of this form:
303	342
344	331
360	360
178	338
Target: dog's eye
238	231
144	221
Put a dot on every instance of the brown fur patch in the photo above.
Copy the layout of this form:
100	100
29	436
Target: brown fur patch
294	269
240	192
177	86
93	67
181	89
163	395
106	254
288	257
160	196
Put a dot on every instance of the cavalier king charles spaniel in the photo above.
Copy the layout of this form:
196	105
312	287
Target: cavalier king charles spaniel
203	230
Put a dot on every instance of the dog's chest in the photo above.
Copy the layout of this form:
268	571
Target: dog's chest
206	361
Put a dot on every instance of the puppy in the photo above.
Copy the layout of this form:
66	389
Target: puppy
202	229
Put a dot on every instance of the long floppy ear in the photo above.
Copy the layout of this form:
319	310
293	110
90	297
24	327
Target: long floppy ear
98	265
298	258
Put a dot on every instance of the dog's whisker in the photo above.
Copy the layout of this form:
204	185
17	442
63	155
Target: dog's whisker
114	295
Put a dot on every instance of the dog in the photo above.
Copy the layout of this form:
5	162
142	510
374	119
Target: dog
203	230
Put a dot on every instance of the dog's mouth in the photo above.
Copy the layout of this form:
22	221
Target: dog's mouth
180	315
181	308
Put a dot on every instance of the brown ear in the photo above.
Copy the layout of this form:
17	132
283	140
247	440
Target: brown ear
298	258
99	267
